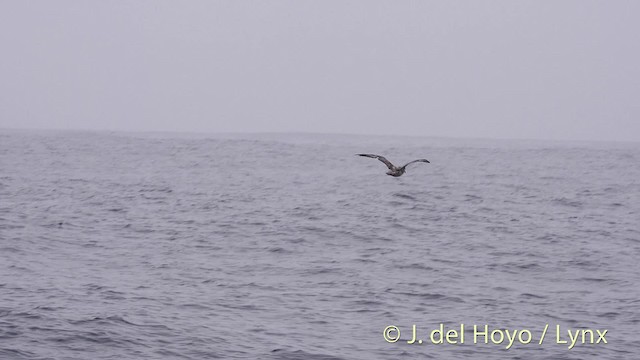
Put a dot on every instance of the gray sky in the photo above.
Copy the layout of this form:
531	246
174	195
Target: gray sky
498	69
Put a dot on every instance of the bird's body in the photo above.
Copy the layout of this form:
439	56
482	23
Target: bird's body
394	171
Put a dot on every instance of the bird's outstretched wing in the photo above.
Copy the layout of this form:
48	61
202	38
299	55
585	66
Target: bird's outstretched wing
419	160
381	158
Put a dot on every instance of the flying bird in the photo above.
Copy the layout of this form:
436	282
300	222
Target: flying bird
393	170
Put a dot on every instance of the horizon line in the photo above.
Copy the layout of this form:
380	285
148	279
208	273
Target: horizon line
208	132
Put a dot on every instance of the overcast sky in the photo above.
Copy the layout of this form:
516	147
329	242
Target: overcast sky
497	69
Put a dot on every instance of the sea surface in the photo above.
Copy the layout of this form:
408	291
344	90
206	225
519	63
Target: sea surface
275	246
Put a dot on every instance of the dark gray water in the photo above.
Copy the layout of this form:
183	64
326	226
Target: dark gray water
147	246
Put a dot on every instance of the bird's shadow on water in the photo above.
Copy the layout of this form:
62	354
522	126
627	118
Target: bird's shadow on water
411	199
404	196
409	191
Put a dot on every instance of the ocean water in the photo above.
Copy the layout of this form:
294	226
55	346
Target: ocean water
178	246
